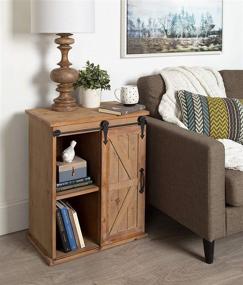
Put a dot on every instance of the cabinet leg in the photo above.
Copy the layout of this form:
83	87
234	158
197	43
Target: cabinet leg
208	251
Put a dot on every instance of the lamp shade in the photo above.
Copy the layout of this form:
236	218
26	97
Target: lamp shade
62	16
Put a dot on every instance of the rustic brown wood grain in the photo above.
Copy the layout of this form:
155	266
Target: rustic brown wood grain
81	116
122	205
42	225
111	211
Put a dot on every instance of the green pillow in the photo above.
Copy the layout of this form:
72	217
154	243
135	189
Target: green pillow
220	118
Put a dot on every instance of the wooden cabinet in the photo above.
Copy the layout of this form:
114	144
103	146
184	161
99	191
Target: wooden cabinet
111	210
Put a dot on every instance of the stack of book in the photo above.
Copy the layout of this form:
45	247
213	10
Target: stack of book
74	184
69	231
119	109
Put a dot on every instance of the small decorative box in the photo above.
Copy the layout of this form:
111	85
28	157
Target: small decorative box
71	171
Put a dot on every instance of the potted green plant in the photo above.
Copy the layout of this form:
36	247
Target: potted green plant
92	80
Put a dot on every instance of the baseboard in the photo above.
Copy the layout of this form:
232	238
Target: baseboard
13	217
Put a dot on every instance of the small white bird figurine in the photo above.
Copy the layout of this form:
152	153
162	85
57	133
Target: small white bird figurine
68	154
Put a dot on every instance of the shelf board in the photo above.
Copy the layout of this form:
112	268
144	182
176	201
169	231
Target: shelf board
90	246
77	191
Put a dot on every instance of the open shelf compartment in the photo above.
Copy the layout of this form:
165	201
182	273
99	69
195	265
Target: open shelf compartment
84	200
88	210
88	148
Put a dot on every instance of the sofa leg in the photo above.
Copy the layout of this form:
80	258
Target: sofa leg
208	251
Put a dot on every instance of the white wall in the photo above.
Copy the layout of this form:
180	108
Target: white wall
24	82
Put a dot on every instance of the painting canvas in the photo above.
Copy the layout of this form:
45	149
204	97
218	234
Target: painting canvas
162	27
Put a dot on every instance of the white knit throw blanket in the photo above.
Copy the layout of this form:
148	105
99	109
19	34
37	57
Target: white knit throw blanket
204	81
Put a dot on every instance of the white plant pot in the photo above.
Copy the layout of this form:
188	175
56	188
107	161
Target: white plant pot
89	98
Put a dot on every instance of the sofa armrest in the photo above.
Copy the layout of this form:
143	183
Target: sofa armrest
186	177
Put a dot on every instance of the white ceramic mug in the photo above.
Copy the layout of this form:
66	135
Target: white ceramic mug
127	95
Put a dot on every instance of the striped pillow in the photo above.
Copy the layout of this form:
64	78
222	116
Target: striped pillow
220	118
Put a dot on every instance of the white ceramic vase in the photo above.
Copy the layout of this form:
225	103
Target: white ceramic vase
90	98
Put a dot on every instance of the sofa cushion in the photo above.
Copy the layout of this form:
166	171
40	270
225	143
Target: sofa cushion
234	187
220	118
233	82
151	88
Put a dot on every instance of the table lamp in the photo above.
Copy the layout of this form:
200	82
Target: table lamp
63	17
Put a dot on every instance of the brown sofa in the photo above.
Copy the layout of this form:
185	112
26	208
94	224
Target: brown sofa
186	177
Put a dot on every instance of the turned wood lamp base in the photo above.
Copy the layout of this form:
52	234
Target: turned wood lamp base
64	76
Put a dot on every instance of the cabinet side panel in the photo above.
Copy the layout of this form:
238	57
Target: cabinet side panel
41	182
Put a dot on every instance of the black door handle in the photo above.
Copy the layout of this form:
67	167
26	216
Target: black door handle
142	181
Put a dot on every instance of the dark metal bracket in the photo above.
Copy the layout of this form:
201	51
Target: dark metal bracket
142	122
104	126
57	133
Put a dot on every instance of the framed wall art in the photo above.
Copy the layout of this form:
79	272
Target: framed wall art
169	27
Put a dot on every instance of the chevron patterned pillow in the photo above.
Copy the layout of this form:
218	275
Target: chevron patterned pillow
220	118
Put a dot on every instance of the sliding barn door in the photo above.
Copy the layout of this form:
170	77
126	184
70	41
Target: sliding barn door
123	175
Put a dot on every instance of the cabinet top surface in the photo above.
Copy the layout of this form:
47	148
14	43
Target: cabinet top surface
80	116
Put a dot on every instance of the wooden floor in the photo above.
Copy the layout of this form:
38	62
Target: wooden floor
170	255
